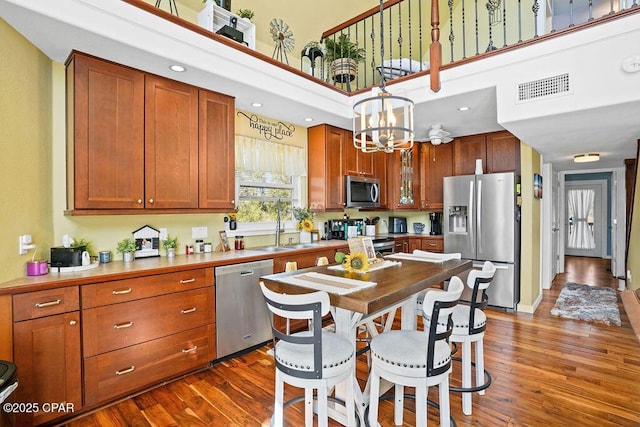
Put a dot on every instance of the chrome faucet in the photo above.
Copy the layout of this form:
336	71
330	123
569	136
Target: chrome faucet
278	225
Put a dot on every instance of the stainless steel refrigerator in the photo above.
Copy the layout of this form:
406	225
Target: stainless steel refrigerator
482	222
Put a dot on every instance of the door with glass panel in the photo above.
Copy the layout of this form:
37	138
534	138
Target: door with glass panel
585	218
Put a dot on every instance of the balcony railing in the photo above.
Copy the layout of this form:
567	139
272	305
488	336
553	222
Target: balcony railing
469	29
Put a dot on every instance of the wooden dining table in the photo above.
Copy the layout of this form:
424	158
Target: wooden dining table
396	286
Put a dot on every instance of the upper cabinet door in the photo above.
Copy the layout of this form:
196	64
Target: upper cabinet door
436	162
217	151
503	152
466	150
171	144
106	122
355	161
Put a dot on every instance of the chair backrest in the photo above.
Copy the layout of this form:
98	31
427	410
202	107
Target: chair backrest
310	306
438	306
479	281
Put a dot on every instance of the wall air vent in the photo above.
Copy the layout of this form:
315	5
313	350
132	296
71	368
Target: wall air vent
556	85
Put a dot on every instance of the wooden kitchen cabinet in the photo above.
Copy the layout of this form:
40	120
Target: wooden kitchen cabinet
401	244
140	331
380	168
325	174
404	180
355	161
141	143
432	244
47	351
171	144
436	162
105	114
499	151
217	151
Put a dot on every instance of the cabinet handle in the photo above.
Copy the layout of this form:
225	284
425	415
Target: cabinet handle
188	310
73	323
126	371
123	325
151	201
139	201
432	244
190	350
185	281
48	304
122	292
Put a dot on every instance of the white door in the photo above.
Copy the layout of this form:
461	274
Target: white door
585	227
555	224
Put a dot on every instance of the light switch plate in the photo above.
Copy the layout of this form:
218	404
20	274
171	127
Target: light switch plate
199	232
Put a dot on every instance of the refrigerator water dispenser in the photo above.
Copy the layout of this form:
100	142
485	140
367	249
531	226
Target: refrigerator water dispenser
458	219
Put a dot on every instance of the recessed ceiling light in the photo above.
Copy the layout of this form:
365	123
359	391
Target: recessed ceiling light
308	119
178	68
464	108
587	157
256	104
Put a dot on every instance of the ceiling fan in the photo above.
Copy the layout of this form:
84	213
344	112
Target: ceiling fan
438	135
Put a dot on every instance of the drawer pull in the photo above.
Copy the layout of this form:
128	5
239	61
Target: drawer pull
122	292
188	310
48	304
126	371
123	325
190	350
185	281
432	244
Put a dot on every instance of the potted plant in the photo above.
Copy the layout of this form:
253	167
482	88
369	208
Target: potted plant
245	13
127	247
170	244
343	57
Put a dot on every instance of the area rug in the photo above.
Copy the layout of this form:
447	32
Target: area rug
588	303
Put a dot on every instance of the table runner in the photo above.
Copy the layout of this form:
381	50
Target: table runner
372	267
424	256
327	283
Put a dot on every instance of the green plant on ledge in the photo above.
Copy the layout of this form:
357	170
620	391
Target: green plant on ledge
170	242
245	13
126	245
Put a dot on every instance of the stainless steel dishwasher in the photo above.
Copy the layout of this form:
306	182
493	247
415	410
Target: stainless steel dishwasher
242	317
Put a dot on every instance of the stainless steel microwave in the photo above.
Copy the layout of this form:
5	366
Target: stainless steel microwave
361	192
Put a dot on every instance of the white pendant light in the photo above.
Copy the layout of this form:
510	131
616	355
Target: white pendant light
383	122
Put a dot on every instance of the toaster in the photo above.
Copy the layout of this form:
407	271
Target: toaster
67	257
397	225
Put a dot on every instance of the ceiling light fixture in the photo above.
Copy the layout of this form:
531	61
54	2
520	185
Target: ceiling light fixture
383	122
178	68
308	119
256	104
464	108
587	157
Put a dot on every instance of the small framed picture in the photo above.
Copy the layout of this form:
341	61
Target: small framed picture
367	242
224	242
537	186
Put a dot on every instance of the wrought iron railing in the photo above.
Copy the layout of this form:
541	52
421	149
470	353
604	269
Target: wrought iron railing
468	28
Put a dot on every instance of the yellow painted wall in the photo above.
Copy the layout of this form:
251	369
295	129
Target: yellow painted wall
633	257
530	231
25	144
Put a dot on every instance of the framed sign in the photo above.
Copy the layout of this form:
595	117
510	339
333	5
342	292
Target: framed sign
224	242
147	242
537	186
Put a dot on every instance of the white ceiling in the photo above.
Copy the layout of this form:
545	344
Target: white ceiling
122	33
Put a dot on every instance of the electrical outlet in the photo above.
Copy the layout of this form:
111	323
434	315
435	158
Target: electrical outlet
199	232
163	234
24	243
628	276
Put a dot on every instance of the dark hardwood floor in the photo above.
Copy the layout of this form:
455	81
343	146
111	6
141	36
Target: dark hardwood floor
546	371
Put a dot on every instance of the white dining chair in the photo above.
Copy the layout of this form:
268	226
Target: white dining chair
311	360
415	358
469	324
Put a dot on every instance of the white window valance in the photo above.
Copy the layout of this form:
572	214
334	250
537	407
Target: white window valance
256	155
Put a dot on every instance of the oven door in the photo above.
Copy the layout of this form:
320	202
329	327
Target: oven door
383	246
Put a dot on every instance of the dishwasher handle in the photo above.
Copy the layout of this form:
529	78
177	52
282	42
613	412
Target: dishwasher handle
246	272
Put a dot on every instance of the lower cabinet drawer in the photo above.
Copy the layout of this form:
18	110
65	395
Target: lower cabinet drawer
433	245
123	371
116	326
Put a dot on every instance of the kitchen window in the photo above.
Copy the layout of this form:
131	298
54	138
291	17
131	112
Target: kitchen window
265	173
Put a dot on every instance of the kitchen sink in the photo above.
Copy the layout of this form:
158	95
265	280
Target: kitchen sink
305	246
274	249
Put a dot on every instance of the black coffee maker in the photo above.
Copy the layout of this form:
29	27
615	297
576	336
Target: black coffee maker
435	218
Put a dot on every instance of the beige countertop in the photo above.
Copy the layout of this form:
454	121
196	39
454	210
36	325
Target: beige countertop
116	270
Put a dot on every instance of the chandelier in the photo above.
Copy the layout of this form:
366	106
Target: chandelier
383	122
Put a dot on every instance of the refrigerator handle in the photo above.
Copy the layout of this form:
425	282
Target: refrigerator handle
471	222
479	217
